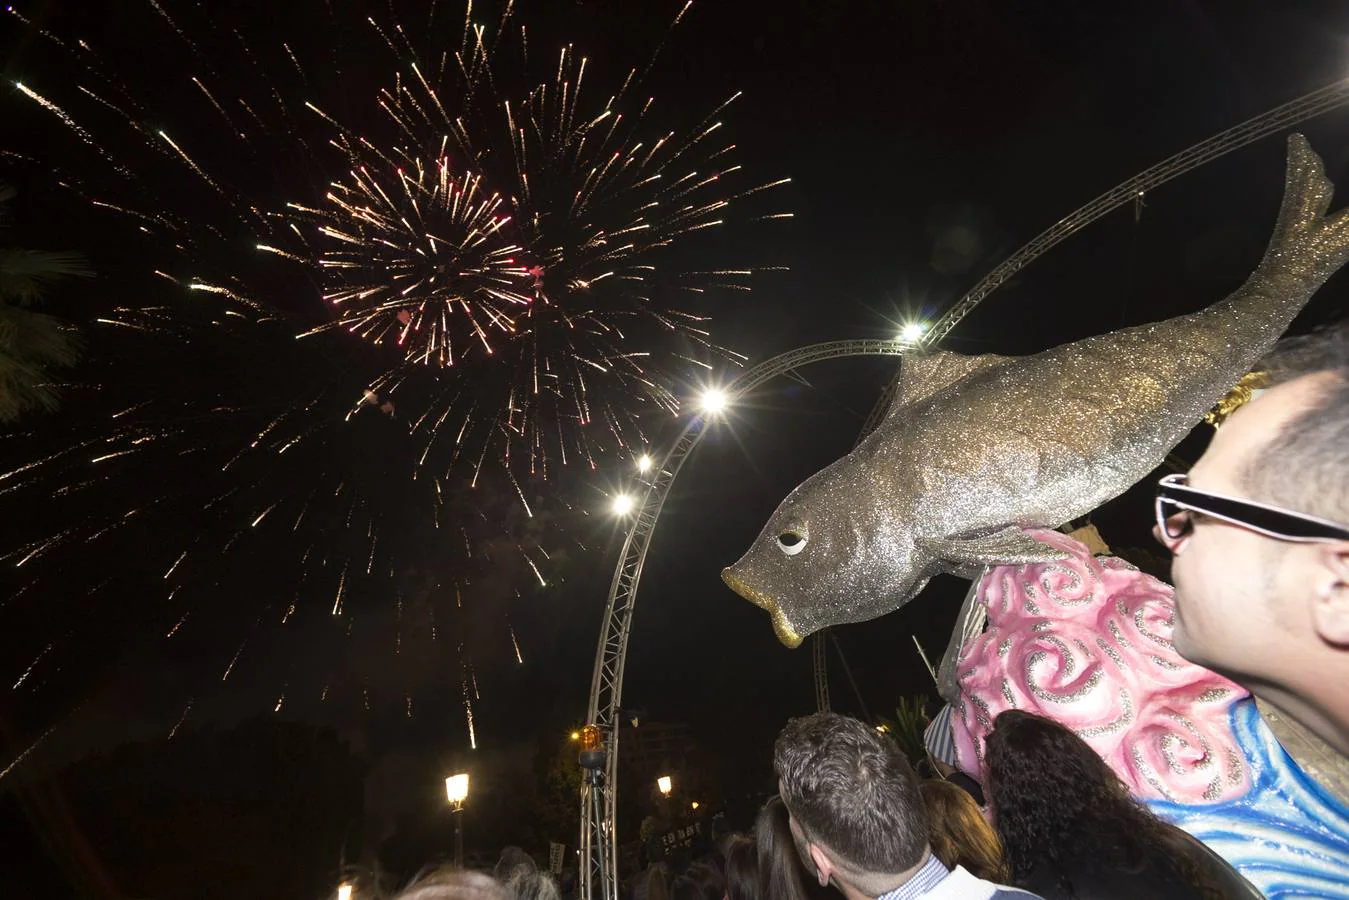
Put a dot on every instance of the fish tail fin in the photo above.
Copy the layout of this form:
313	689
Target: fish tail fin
1307	244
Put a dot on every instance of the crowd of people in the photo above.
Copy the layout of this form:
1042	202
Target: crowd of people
852	815
1261	546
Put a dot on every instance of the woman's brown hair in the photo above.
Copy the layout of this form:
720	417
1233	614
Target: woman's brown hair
959	834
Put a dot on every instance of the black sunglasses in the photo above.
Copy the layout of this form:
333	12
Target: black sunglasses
1177	502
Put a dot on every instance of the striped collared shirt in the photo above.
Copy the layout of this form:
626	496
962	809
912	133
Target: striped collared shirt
929	876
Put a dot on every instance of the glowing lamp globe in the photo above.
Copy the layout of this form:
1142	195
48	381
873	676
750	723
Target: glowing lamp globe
344	892
712	401
592	754
590	738
664	785
456	787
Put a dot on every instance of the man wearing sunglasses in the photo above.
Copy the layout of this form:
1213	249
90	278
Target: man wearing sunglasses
1259	531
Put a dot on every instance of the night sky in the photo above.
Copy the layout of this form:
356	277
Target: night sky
925	140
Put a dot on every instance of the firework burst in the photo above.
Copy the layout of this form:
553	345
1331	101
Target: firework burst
514	259
545	269
419	262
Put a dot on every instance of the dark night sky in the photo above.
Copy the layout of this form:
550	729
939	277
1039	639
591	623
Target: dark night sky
926	140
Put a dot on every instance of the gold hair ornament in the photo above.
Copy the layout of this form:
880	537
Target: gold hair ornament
1244	391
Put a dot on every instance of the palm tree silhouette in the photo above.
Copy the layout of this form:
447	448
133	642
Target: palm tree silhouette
32	343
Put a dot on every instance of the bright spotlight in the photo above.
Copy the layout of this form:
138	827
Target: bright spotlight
344	892
912	332
712	401
643	463
623	504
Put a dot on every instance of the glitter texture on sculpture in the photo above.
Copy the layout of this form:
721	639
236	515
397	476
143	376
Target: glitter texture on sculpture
1086	641
973	449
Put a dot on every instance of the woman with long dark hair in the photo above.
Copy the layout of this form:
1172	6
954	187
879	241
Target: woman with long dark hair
742	870
780	874
1070	829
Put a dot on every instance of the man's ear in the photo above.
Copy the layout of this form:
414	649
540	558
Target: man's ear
1330	606
824	867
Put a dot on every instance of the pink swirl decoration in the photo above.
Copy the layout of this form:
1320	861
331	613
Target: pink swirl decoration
1087	641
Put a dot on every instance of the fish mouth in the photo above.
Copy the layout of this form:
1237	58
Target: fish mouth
734	582
781	627
784	630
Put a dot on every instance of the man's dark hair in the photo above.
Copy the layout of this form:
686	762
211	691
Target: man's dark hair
1306	465
852	789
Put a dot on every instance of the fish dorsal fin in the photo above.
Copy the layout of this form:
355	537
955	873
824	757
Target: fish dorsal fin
928	374
1009	547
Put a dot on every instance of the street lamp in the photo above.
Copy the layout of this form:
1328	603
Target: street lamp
693	805
456	789
713	401
912	332
344	892
664	785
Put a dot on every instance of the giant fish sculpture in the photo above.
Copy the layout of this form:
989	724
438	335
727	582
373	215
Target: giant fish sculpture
973	449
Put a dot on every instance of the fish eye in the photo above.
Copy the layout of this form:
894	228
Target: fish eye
791	542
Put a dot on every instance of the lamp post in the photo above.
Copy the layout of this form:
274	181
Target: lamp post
456	789
664	785
599	875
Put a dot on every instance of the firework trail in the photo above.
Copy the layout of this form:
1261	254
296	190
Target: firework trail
510	257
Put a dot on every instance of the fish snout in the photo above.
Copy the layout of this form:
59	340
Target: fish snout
737	584
784	630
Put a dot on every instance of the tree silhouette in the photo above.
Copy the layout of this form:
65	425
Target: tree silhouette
32	343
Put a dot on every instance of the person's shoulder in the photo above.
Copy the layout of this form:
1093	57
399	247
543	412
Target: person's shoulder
1005	892
1221	872
963	885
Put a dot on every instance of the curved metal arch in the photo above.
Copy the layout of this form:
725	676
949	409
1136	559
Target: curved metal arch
606	686
1294	112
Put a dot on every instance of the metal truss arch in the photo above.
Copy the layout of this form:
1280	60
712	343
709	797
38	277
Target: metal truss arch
599	867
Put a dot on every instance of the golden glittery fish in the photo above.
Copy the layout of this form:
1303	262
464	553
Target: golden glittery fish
975	448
